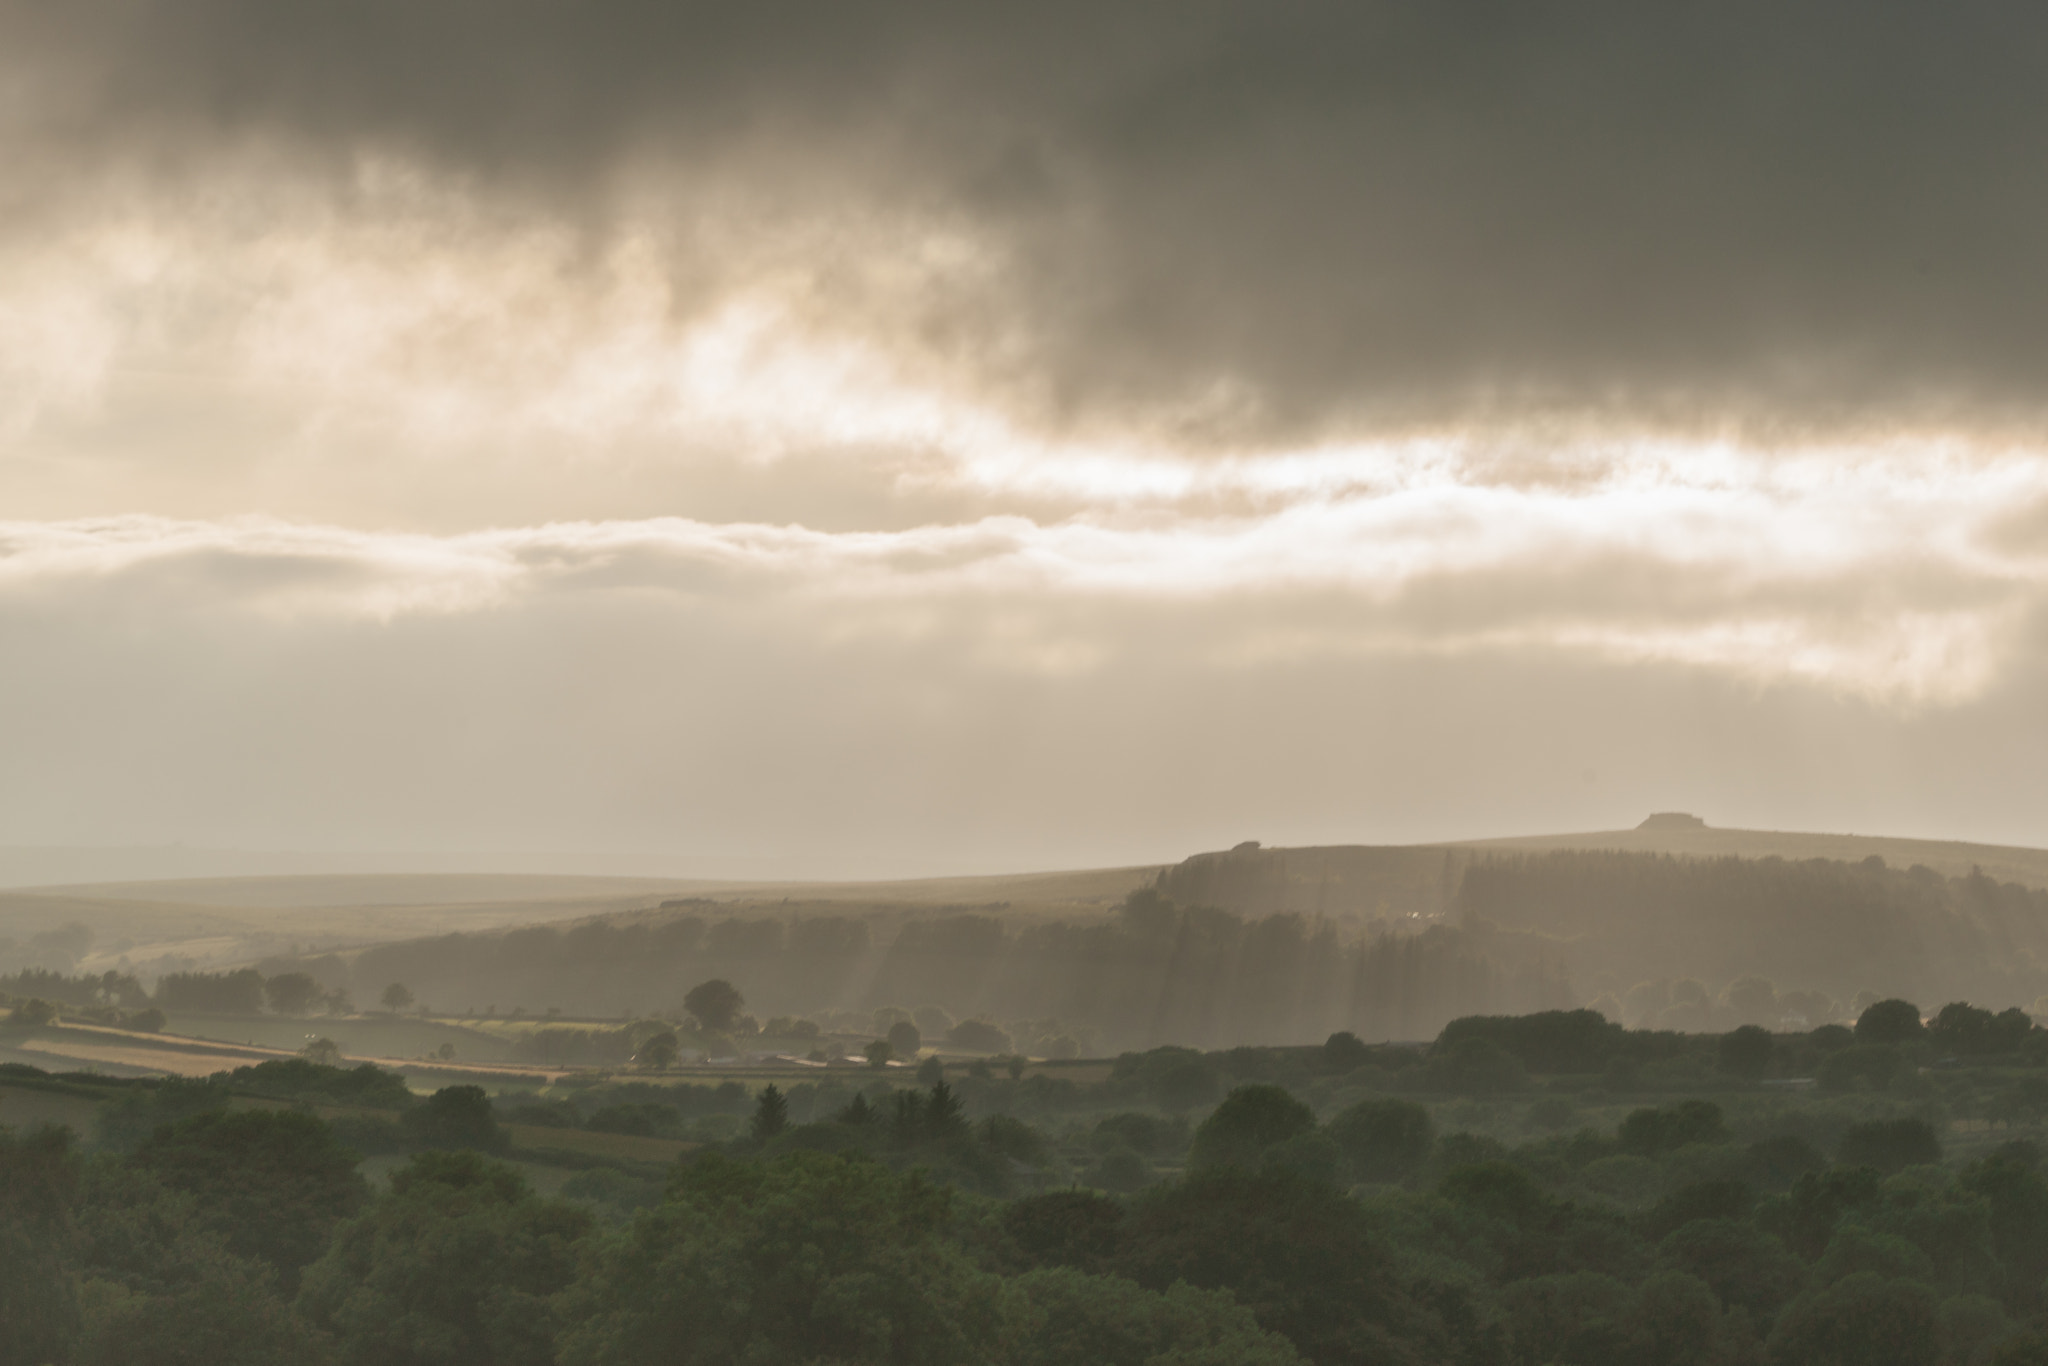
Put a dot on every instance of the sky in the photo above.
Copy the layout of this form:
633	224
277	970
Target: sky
864	439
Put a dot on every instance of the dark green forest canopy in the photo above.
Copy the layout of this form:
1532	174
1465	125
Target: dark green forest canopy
1548	1188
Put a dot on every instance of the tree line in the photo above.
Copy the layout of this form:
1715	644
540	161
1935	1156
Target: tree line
1273	1215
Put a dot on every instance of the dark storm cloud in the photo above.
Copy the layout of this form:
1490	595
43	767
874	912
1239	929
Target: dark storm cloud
1752	211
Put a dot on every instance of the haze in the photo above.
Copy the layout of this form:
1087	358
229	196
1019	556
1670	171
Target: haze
882	440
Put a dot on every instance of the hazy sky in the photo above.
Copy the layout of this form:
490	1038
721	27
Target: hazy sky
864	438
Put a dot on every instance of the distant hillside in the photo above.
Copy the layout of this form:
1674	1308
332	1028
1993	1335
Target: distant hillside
182	923
1420	881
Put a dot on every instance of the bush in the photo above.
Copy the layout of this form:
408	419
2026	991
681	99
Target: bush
1470	1067
1652	1133
1889	1145
1250	1120
1865	1067
978	1035
1383	1140
1892	1021
1547	1041
456	1117
1861	1320
1745	1052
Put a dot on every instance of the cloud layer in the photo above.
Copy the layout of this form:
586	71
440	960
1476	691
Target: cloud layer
1352	414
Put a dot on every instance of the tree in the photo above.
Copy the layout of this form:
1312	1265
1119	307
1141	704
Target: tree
1861	1067
714	1005
878	1053
211	1310
38	1292
1889	1145
1185	1084
931	1072
458	1266
1860	1320
1344	1052
271	1184
1745	1266
1746	1052
979	1035
1308	1263
456	1117
396	997
904	1039
809	1257
1061	1316
1383	1140
771	1114
660	1051
35	1013
1250	1120
1653	1133
1892	1021
291	993
322	1053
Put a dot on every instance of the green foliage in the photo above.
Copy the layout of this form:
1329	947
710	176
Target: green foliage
1303	1259
1547	1041
38	1300
1716	1199
714	1005
1747	1268
980	1035
1250	1121
271	1184
223	993
1149	1135
219	1312
1889	1022
771	1115
904	1039
1383	1140
805	1258
658	1050
291	993
1775	1163
1072	1228
1471	1066
1061	1316
1652	1132
1344	1052
366	1085
456	1117
1860	1320
1806	1216
1746	1052
1864	1067
1889	1145
457	1266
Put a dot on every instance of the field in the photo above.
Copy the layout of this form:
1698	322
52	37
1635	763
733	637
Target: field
359	1036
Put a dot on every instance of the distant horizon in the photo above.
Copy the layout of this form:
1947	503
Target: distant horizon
161	862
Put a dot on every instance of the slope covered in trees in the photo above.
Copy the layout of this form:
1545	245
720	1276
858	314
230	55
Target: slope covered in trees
1525	1190
1691	943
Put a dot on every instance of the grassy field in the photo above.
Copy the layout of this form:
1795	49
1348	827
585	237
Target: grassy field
366	1036
1951	858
